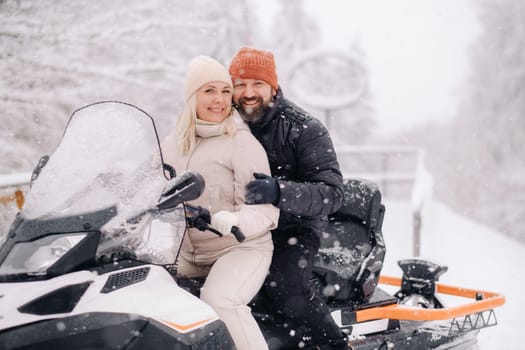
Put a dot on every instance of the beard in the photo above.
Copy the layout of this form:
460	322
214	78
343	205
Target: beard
255	113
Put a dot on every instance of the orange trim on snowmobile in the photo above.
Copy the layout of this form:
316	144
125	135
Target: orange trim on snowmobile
403	312
186	327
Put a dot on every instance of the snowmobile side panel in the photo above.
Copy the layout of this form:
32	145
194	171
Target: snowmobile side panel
59	301
87	331
155	297
112	331
209	337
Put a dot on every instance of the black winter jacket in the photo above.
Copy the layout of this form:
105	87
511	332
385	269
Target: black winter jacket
303	159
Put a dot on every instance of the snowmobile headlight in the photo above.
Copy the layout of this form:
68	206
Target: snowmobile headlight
37	256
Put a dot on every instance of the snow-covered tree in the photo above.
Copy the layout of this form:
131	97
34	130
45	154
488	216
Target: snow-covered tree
478	160
59	56
491	123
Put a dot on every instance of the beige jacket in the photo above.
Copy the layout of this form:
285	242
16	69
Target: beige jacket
227	163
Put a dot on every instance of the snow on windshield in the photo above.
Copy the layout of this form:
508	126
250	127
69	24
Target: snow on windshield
109	155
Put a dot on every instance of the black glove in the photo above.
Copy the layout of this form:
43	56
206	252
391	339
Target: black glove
197	217
263	190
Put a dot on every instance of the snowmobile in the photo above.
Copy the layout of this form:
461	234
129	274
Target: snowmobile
88	262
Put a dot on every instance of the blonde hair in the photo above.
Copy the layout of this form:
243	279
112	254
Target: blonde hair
185	128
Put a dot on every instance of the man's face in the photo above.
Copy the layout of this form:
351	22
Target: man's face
253	97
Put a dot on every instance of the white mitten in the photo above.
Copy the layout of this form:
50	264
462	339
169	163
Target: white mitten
223	221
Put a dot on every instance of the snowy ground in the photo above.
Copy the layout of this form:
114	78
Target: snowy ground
476	257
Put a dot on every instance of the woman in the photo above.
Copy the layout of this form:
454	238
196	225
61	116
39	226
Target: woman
211	138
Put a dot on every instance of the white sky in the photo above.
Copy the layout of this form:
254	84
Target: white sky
416	51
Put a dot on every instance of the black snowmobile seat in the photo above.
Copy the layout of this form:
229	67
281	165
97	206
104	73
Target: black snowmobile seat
352	247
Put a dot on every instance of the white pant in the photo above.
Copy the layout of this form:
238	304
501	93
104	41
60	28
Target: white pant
231	283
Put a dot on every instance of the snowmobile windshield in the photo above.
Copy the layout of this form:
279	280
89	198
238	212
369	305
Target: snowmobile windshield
109	157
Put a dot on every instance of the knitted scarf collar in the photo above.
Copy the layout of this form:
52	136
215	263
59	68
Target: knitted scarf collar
206	129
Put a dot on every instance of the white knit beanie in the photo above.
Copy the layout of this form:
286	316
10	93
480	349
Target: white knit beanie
202	70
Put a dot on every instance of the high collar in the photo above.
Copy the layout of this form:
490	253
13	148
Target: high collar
206	129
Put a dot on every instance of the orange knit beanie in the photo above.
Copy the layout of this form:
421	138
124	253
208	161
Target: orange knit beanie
256	64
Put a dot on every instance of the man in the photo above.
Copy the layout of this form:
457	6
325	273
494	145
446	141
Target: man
306	185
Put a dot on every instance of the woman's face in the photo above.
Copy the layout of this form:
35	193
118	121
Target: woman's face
214	101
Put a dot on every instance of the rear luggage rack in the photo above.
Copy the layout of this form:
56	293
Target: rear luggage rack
482	301
472	322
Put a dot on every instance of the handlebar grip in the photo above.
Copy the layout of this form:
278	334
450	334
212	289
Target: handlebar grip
238	234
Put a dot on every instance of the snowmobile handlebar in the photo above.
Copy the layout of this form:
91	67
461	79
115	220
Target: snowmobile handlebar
237	233
200	218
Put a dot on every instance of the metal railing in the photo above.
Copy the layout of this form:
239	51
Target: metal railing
390	167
